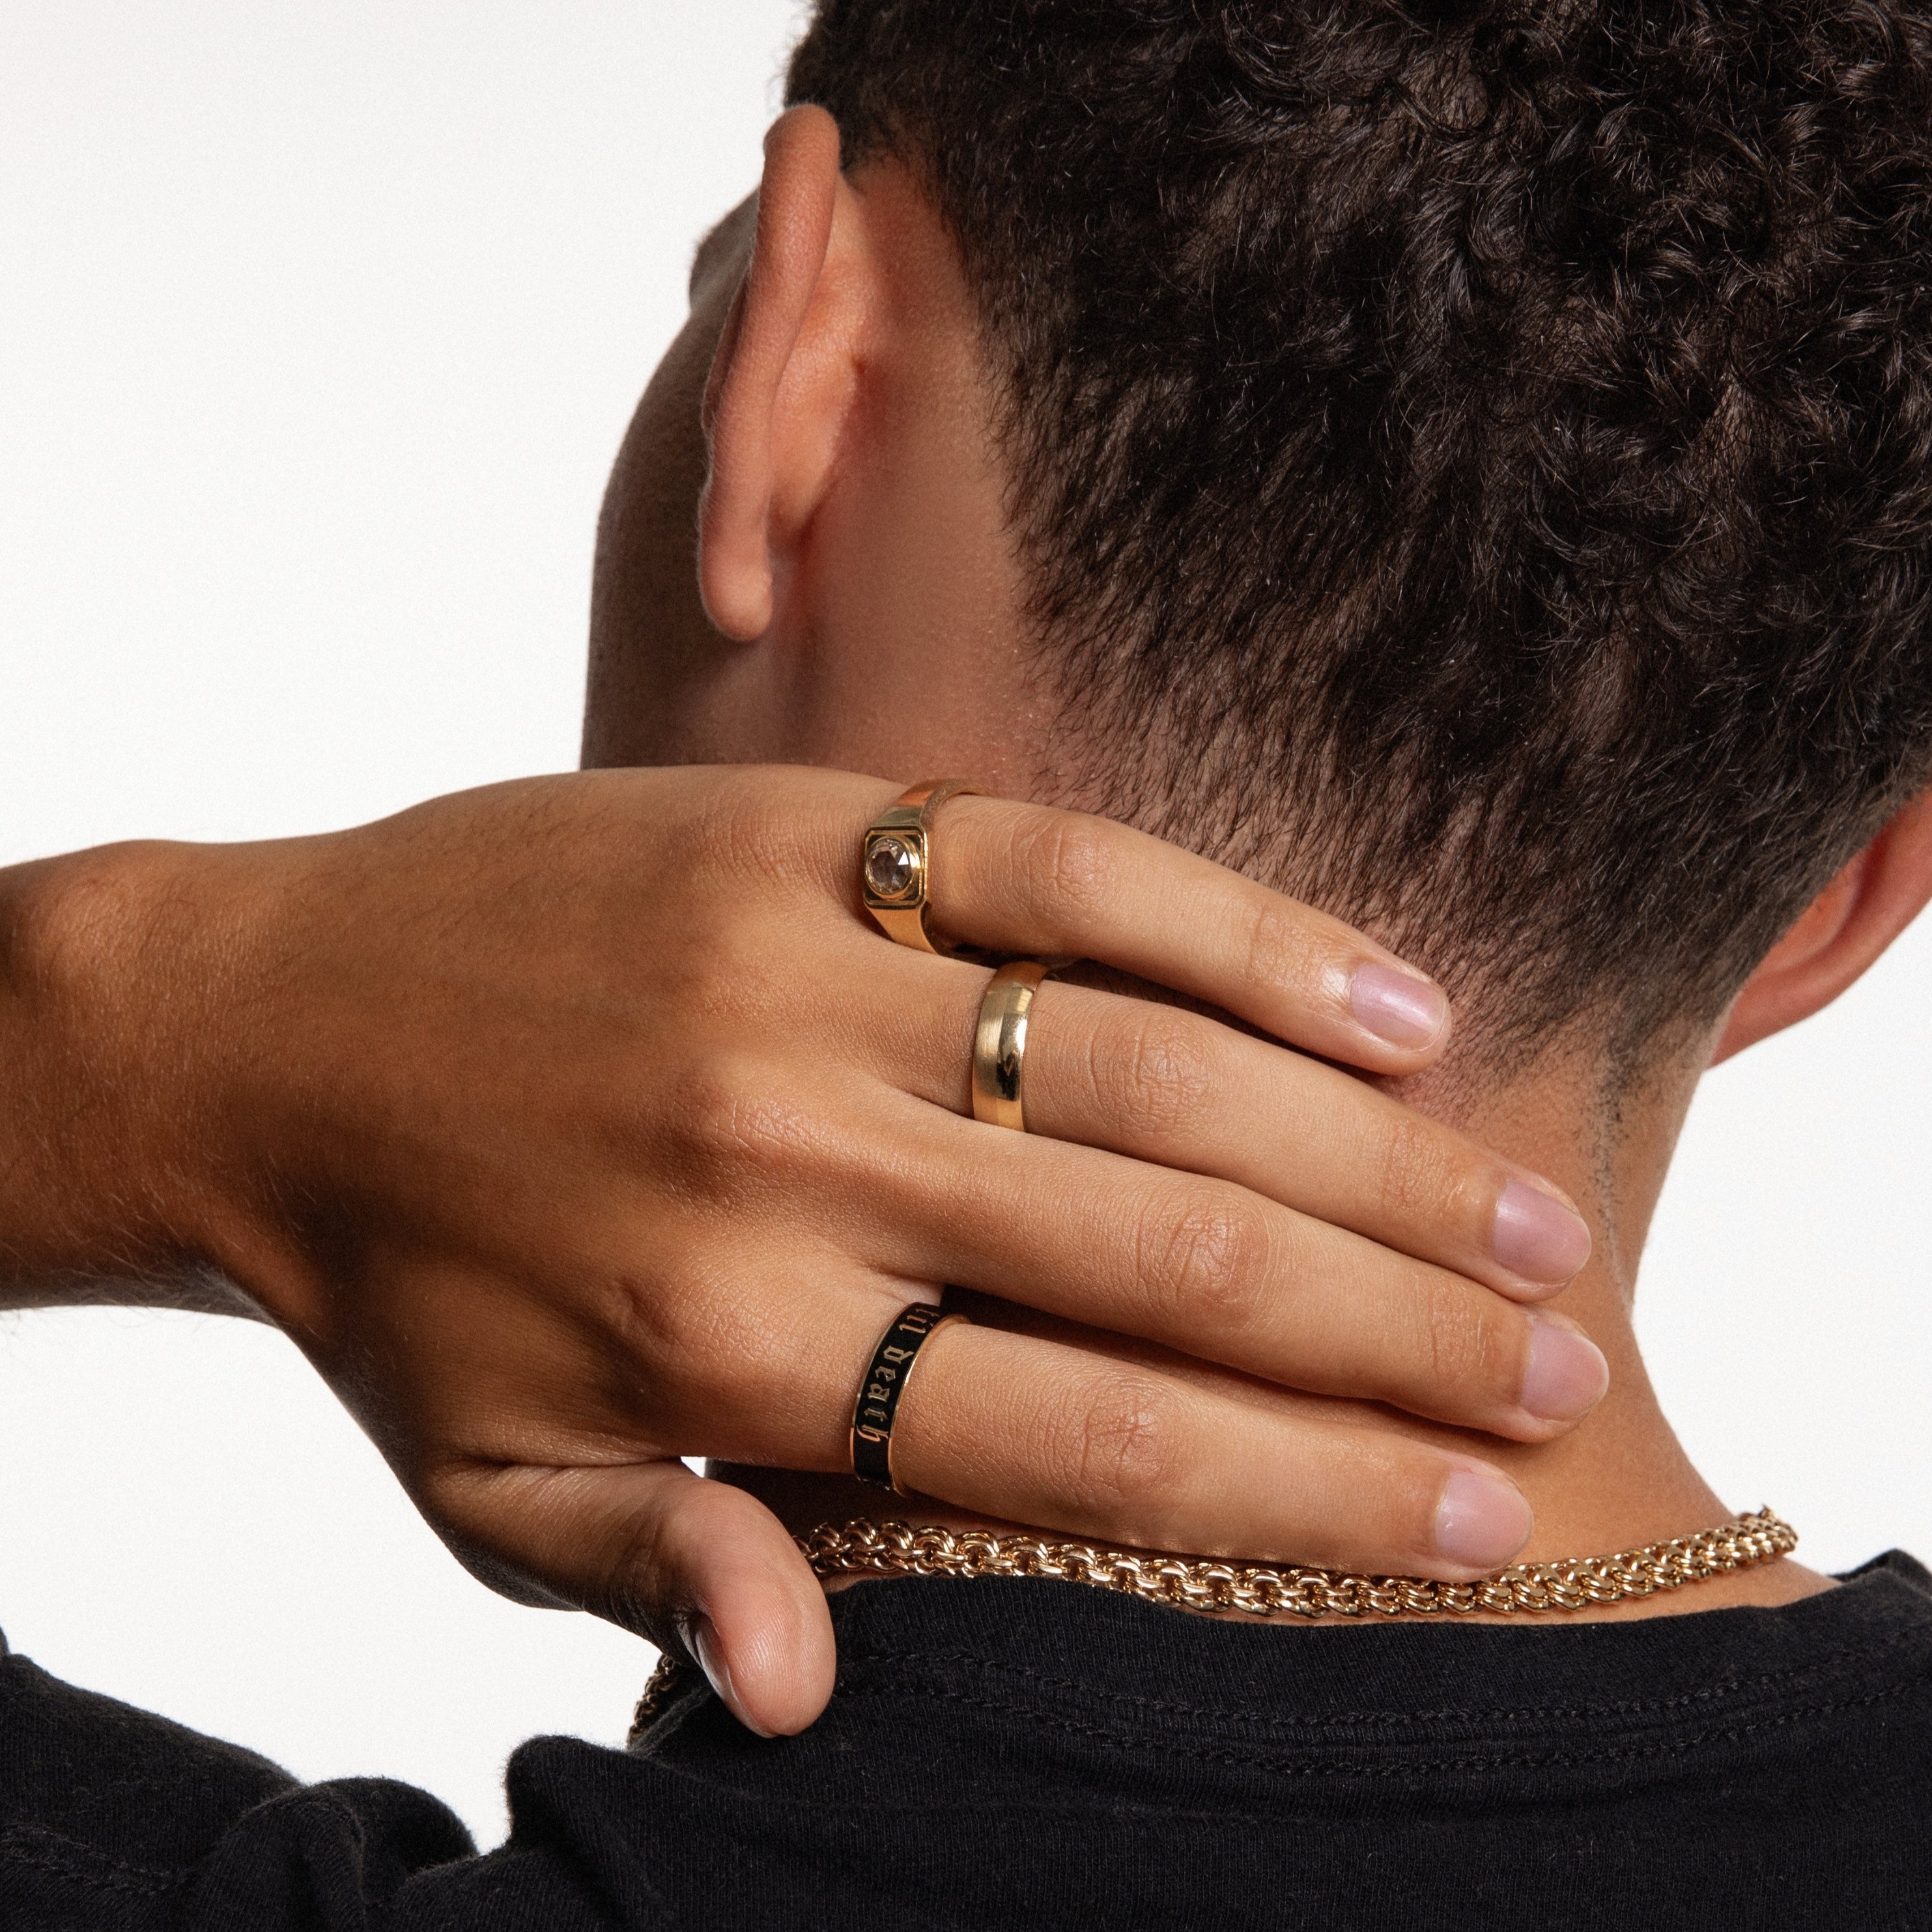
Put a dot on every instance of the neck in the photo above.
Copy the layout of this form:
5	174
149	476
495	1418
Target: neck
1620	1479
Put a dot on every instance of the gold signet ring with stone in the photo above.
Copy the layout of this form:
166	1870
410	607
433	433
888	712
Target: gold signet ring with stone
999	1044
896	865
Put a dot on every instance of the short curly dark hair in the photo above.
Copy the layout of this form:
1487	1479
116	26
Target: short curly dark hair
1475	461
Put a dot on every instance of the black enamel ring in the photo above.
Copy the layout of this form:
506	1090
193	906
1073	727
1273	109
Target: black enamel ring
883	1386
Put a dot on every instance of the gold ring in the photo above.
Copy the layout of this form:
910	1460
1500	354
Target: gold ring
999	1044
896	863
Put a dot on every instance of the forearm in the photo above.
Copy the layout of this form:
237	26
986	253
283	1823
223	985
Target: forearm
94	1194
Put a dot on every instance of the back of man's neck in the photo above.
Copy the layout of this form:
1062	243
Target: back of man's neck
1621	1480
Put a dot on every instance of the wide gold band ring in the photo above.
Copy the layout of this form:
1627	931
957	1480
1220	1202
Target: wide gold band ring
895	862
999	1044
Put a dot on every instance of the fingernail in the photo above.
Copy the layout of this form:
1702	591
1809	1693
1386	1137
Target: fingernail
1566	1374
1401	1008
702	1641
1536	1236
1481	1521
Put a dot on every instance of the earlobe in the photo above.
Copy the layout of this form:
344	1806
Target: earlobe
1863	909
760	340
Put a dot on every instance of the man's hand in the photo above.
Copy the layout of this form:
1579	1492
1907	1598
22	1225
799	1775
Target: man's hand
576	1125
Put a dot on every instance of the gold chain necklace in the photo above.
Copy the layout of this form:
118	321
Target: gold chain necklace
865	1549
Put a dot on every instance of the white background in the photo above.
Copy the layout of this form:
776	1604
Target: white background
319	324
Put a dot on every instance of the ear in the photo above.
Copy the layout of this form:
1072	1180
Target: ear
1840	934
781	378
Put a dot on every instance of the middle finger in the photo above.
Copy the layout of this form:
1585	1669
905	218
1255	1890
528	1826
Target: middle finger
1166	1085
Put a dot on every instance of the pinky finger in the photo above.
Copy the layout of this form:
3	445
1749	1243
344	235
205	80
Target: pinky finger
1032	1431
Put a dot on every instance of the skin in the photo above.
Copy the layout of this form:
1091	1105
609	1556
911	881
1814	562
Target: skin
576	1126
846	594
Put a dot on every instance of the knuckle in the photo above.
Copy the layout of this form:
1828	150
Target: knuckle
737	1133
1413	1175
760	834
729	989
734	826
1153	1068
627	1585
1209	1263
1280	948
1472	1347
1069	862
1114	1449
701	1350
657	1323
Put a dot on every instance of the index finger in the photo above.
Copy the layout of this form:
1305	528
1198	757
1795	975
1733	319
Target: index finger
1032	879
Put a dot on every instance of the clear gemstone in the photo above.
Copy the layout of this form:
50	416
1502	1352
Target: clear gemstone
889	867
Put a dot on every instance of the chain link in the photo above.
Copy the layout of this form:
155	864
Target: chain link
865	1549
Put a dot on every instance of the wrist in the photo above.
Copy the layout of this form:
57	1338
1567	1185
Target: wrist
99	1198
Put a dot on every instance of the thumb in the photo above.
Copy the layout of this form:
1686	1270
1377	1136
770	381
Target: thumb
695	1566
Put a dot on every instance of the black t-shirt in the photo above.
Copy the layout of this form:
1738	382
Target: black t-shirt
1043	1755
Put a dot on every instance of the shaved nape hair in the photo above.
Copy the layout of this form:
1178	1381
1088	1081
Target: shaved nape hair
1474	462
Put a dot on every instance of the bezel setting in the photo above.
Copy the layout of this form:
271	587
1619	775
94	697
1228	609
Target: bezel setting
911	842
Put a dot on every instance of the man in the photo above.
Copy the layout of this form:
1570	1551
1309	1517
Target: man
1470	466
